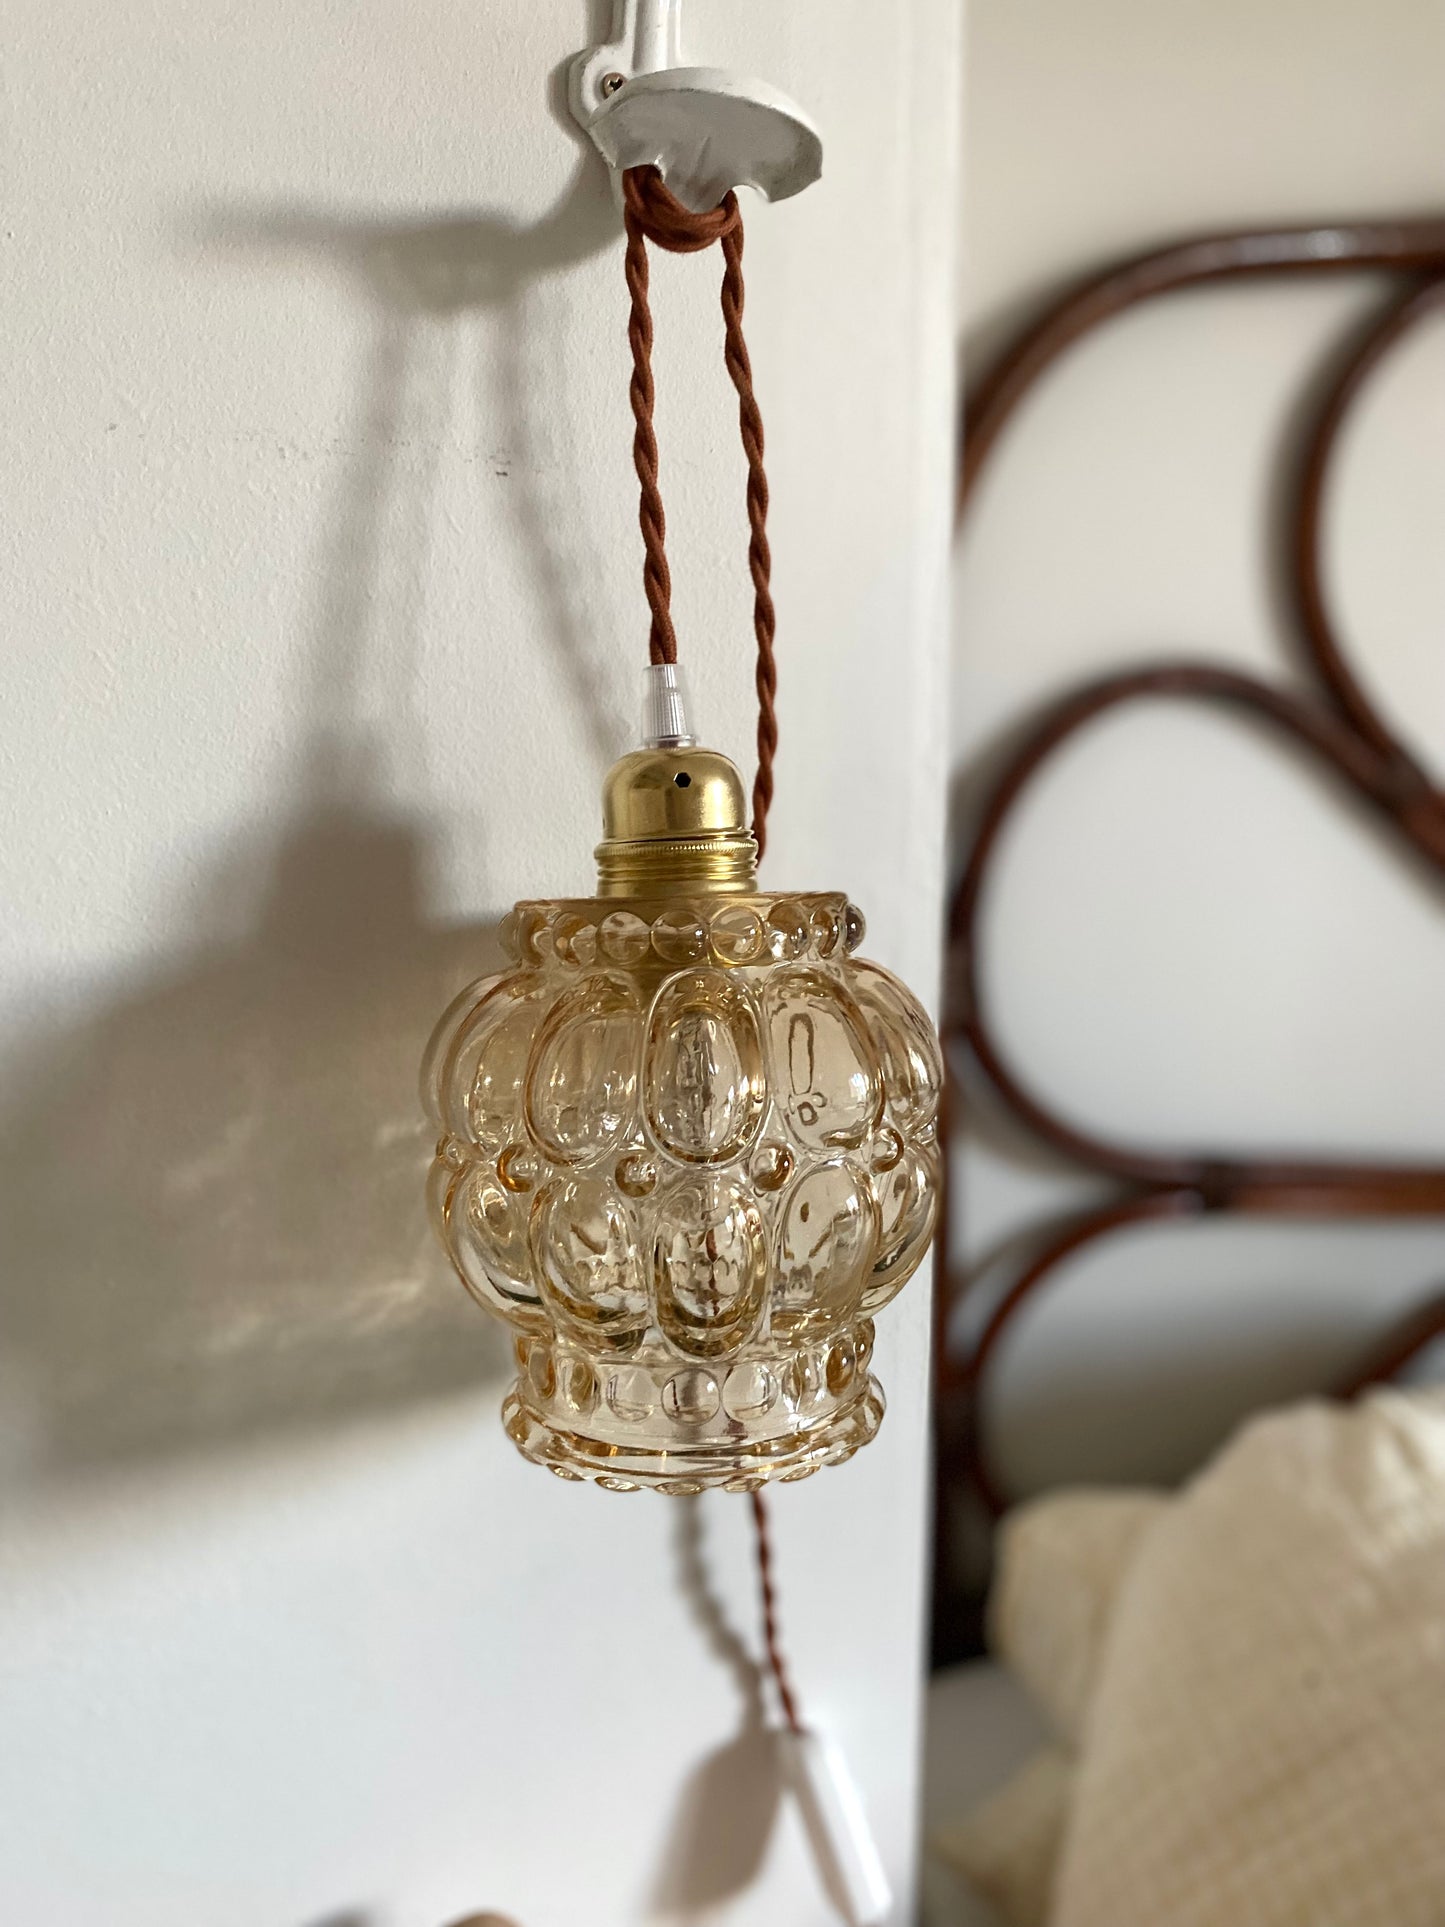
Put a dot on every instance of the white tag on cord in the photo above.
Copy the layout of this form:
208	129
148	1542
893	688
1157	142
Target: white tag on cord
847	1854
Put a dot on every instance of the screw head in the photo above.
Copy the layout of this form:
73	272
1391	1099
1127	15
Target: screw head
610	83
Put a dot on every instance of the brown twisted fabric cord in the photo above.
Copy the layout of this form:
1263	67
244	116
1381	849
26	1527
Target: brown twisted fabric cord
652	213
771	1640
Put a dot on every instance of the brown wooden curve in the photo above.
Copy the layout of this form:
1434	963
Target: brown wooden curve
1334	724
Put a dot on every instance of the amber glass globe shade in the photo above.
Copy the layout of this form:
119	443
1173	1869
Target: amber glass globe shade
687	1151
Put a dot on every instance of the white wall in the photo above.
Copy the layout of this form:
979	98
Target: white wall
323	620
1190	942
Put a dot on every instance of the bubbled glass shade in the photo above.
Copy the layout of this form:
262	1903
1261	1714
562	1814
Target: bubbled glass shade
687	1151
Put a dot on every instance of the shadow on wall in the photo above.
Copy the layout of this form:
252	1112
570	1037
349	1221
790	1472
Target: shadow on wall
422	282
352	1918
729	1802
728	1805
210	1186
368	1920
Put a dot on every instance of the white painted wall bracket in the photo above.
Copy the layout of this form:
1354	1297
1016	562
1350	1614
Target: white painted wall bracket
706	128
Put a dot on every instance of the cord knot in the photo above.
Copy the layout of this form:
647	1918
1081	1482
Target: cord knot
652	206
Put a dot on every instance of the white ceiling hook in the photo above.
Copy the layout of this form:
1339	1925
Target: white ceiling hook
707	129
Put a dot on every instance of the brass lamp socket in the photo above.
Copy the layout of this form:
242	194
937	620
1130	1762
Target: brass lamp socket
674	822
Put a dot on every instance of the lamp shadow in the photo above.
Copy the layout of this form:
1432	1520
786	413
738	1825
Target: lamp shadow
424	283
728	1804
211	1220
211	1186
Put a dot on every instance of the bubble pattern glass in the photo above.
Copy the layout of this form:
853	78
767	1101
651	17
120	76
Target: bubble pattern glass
687	1153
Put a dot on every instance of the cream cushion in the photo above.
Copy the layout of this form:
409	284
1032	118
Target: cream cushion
1246	1684
1061	1562
1265	1746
